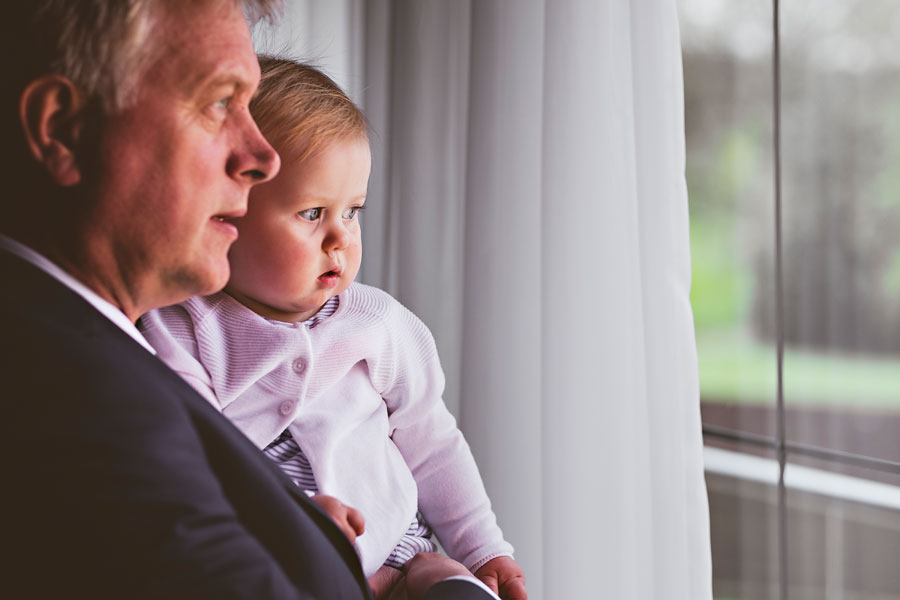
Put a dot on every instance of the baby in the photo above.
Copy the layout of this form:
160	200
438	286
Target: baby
335	380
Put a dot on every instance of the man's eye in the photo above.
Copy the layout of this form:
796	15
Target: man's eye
352	212
310	214
218	110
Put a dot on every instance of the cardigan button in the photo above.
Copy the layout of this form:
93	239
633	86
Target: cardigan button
299	365
286	408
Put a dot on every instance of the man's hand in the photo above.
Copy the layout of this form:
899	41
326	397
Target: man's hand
504	576
384	581
348	519
422	571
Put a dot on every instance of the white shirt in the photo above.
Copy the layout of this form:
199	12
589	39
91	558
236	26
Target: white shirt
105	308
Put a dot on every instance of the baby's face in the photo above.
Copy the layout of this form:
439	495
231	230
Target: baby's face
299	243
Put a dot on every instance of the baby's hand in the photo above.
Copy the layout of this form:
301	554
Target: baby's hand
504	576
348	519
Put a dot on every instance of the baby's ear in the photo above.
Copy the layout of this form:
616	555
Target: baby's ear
50	112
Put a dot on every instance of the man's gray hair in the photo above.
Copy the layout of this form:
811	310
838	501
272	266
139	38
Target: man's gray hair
103	46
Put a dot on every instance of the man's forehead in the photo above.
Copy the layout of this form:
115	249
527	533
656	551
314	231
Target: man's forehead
210	43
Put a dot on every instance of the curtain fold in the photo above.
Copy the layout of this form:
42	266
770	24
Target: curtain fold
419	131
503	363
528	202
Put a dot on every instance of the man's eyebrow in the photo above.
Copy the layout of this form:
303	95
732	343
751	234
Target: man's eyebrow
217	81
222	78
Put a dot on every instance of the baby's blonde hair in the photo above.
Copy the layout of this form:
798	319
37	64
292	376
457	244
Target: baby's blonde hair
300	109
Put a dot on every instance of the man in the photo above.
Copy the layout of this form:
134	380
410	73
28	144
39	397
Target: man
129	148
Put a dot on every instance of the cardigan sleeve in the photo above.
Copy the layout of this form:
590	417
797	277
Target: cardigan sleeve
452	497
170	330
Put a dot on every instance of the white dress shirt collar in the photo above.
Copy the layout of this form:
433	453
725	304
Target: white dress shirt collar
107	309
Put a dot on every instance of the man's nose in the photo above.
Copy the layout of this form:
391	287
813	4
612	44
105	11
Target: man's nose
253	159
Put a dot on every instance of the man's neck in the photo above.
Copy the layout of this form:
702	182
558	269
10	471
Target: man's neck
83	266
38	260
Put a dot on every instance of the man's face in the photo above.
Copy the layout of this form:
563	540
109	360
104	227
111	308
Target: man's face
177	165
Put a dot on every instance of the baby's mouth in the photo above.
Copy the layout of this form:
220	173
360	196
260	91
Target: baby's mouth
330	278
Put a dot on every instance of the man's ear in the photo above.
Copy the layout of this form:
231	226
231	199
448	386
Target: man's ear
50	111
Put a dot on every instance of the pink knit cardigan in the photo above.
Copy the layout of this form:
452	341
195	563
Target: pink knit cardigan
361	394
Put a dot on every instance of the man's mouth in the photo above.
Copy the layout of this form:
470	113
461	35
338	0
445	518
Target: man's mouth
230	215
225	222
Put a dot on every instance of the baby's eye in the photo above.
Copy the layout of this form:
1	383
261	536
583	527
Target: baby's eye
310	214
352	212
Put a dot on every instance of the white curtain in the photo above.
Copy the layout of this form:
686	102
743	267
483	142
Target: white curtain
528	202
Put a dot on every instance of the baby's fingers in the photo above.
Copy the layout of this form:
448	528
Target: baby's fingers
355	520
489	578
514	589
346	528
504	576
348	519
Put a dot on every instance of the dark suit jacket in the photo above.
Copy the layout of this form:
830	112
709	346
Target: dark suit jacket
119	481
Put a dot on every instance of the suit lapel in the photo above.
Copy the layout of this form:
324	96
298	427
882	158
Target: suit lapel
50	301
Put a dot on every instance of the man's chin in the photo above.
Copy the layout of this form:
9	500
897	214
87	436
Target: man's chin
187	283
214	282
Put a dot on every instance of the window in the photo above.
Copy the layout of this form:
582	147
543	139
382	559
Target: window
833	530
